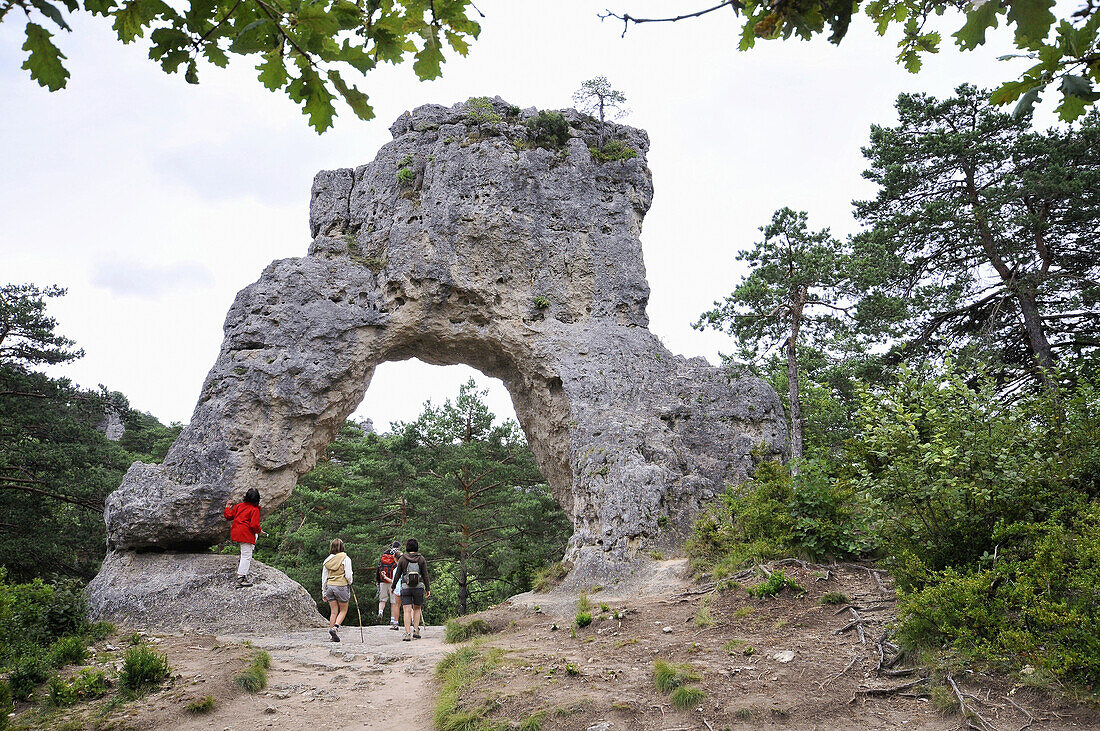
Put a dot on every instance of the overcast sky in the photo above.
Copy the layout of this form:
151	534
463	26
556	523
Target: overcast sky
155	201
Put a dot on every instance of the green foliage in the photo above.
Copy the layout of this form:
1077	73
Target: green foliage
548	129
668	676
253	678
774	584
540	302
835	597
480	112
457	631
583	619
27	334
143	669
1067	56
27	673
405	177
613	150
201	705
775	515
455	672
686	697
983	239
88	684
598	98
304	49
99	631
6	703
68	650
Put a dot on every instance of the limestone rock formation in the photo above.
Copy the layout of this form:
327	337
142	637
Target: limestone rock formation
467	243
168	592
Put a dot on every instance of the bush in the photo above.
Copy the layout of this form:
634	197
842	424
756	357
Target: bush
28	672
143	669
59	693
36	613
202	705
548	129
456	631
100	631
583	619
613	150
774	584
67	651
90	683
6	703
479	111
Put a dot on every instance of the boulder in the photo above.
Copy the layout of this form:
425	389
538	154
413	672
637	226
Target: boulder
197	592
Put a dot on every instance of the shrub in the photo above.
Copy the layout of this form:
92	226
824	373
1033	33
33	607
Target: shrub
28	672
667	677
479	112
613	150
456	631
36	613
202	705
540	302
253	678
143	669
548	129
67	651
583	619
774	584
406	177
687	696
6	703
59	693
85	685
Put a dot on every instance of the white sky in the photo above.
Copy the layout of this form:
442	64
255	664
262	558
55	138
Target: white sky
155	201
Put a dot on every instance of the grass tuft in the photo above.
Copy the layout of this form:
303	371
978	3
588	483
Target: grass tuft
667	676
143	669
687	696
835	597
456	631
253	678
202	705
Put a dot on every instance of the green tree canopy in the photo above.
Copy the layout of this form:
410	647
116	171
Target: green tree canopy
1066	49
27	334
984	234
303	48
793	291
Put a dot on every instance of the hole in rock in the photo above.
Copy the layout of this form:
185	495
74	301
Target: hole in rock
433	453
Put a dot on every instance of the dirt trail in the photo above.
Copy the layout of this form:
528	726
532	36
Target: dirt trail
313	683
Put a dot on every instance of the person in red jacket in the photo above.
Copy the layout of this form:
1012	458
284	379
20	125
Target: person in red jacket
245	529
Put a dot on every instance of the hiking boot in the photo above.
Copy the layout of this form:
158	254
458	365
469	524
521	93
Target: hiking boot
416	633
243	581
332	633
407	638
380	614
395	626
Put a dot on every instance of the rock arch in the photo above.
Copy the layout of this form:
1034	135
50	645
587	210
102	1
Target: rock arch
521	261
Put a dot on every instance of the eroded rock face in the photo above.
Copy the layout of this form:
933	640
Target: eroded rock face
170	592
521	261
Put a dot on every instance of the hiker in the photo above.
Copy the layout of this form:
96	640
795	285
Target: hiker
412	571
386	593
245	530
336	577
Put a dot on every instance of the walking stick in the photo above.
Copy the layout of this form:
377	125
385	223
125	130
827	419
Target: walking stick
361	637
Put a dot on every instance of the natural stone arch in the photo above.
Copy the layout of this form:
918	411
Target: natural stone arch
523	262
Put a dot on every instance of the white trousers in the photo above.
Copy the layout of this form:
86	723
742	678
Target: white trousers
246	558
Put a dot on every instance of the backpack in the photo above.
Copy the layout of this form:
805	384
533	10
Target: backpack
386	565
412	574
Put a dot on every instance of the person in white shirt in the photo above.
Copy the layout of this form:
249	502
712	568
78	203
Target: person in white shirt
336	578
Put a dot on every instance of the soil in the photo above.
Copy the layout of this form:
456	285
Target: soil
789	661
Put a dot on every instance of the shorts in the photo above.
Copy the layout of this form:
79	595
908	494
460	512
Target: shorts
414	596
386	593
337	593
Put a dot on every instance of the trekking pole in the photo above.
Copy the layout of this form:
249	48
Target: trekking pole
362	638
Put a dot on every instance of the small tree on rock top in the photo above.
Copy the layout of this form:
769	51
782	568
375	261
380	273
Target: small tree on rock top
596	97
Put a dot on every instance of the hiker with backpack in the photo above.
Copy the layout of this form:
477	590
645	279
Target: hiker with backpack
244	530
336	578
387	563
412	572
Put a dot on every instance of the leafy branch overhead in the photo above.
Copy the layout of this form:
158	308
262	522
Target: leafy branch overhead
1066	50
303	47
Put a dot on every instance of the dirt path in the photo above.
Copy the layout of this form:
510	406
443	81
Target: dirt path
317	684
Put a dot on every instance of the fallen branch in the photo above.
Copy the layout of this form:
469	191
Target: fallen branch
831	678
969	714
1021	709
888	690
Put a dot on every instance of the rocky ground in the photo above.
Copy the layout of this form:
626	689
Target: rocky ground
790	661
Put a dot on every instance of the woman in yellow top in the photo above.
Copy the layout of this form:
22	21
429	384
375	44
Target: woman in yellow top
336	579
